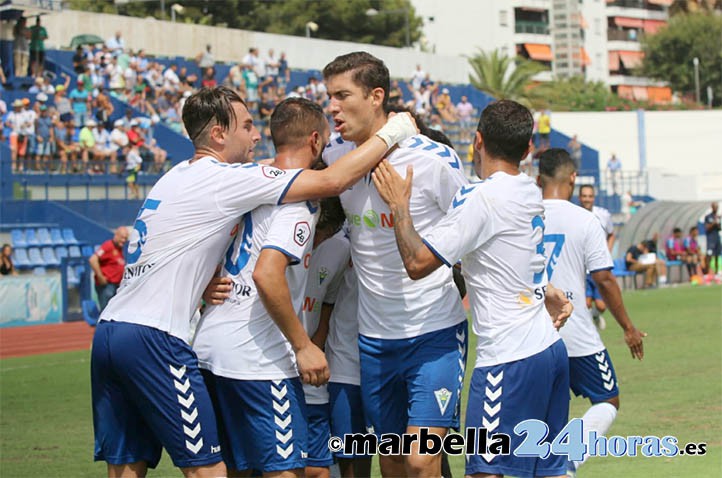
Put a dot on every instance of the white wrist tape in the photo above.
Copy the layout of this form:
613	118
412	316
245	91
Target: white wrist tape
397	129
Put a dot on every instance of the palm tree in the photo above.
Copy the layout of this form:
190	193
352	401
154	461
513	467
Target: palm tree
504	77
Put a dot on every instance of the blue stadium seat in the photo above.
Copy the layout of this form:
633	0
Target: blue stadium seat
44	237
35	258
620	270
21	259
670	264
69	236
73	279
57	237
17	238
74	251
39	271
61	252
87	251
31	238
90	312
49	257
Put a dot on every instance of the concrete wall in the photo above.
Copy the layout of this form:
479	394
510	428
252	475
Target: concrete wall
180	39
683	147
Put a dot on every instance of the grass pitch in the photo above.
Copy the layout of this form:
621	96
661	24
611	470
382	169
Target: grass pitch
46	421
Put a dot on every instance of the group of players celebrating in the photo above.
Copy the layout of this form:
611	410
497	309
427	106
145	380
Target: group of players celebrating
325	317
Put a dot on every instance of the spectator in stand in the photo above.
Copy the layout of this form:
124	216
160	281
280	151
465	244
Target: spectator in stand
639	259
235	81
103	108
118	137
465	110
27	129
271	64
544	129
575	151
86	144
396	95
18	142
317	91
6	261
209	78
45	140
188	81
170	77
80	60
21	47
48	88
714	245
417	77
205	59
141	61
81	101
695	257
67	147
250	81
284	72
38	35
674	246
614	166
108	264
133	164
103	151
116	43
445	107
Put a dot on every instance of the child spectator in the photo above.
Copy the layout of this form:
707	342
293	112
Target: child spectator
133	162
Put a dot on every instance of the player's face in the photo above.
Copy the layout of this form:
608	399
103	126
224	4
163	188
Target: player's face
241	138
586	198
352	109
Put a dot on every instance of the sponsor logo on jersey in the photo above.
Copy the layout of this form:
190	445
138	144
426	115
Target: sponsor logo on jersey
442	399
371	219
271	172
322	274
301	233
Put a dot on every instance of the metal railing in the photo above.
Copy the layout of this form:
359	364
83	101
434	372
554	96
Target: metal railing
536	28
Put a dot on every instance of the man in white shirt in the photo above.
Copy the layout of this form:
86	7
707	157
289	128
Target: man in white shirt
147	388
103	149
495	227
412	335
574	244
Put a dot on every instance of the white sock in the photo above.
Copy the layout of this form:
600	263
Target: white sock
662	279
598	418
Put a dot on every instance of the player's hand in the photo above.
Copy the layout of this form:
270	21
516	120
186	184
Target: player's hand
392	188
558	306
634	337
102	280
312	365
217	290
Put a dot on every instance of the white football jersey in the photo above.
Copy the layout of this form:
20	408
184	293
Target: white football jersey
605	219
342	342
573	244
325	272
238	339
391	305
180	235
496	228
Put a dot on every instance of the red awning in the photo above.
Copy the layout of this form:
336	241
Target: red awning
586	61
539	51
629	22
640	93
659	94
664	3
625	92
613	61
631	59
651	26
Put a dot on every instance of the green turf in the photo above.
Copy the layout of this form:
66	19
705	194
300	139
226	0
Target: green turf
46	422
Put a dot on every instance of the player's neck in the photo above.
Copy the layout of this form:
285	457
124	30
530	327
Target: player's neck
203	152
291	159
491	165
320	236
556	191
378	123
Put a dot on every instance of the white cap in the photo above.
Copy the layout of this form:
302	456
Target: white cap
134	122
42	97
91	122
119	122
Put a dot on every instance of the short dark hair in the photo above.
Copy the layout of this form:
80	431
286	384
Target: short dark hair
432	134
676	230
369	72
204	107
506	128
554	164
332	215
294	119
693	228
583	186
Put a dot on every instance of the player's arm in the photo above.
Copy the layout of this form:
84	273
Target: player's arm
419	261
610	241
269	276
319	337
612	296
94	262
345	172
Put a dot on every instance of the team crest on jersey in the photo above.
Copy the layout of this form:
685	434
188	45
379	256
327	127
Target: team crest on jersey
442	399
301	233
271	172
322	274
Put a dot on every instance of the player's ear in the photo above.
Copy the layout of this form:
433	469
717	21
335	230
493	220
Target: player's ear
479	141
377	95
217	134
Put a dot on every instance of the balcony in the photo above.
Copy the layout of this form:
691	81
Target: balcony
534	28
624	35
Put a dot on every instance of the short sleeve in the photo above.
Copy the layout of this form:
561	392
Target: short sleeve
291	230
467	225
246	187
448	178
596	252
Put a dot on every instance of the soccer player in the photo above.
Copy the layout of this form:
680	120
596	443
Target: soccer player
246	346
574	244
594	300
714	245
147	389
412	335
496	228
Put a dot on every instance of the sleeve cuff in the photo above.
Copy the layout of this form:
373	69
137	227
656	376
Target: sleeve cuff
436	253
294	260
288	186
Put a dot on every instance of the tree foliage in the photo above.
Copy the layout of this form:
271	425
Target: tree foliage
576	94
337	20
504	77
669	54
